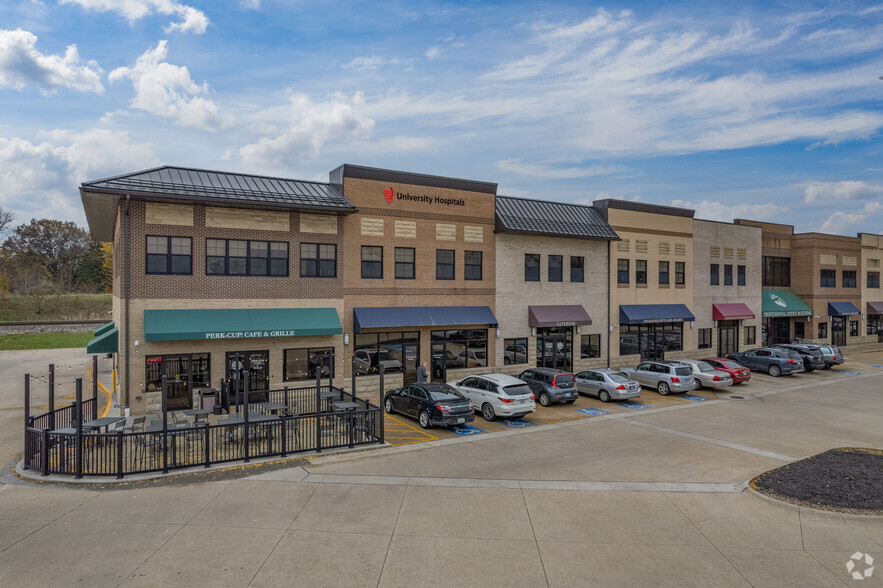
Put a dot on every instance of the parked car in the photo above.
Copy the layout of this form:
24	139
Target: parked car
432	403
773	360
607	384
665	376
707	376
514	354
367	361
551	385
811	355
831	354
739	373
497	395
470	358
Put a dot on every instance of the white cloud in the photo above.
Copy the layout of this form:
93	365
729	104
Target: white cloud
306	127
370	63
168	91
253	4
842	222
21	64
719	211
40	179
845	190
433	52
556	172
193	20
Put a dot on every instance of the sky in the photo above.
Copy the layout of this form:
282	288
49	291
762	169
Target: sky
736	109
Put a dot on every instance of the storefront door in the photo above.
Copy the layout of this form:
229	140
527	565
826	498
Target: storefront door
258	365
410	353
727	337
182	372
555	347
838	330
779	330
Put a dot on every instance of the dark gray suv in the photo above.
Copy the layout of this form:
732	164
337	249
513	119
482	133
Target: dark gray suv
811	355
551	385
773	360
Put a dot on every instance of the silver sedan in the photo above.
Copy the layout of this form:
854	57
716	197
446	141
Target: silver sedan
607	385
707	376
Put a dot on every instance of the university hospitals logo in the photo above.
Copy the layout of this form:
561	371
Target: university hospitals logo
389	195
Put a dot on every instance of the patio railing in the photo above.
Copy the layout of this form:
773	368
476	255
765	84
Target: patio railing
306	424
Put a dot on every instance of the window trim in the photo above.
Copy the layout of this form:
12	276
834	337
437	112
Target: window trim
168	255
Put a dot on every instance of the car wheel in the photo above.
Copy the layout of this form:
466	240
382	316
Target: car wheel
570	401
663	389
775	371
388	405
810	369
487	411
604	396
424	420
544	399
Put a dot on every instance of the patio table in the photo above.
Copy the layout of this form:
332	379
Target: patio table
198	414
273	407
101	423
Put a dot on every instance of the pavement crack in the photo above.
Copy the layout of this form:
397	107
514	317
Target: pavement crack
535	540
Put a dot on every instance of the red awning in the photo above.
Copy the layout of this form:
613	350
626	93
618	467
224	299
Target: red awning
732	311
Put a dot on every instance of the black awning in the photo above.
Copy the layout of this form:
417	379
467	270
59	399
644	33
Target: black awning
641	314
421	316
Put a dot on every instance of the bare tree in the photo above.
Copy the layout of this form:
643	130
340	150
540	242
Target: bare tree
6	218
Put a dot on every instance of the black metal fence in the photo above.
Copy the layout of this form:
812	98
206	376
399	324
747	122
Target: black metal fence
308	419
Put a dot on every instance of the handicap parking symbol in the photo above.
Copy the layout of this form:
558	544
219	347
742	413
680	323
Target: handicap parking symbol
466	430
635	405
877	366
515	423
694	398
591	411
848	373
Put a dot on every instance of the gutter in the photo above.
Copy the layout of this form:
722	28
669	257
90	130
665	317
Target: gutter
127	293
609	318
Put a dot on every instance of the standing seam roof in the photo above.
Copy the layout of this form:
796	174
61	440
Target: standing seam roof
522	215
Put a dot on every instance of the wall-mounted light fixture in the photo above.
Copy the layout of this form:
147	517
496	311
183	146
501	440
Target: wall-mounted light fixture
809	319
691	324
715	324
611	328
533	331
346	338
498	332
577	330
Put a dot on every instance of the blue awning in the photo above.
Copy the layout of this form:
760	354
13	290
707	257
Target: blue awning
842	309
641	314
421	316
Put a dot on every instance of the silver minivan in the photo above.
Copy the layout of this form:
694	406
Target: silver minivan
665	376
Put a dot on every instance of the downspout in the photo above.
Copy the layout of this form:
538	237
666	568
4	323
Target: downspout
609	317
127	293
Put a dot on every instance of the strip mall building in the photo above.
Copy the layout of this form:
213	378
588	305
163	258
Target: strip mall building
217	273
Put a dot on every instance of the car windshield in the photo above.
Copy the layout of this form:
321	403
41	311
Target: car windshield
683	371
563	380
516	389
815	352
619	378
446	393
704	367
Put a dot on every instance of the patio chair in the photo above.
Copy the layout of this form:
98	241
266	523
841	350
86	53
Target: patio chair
365	427
143	443
292	430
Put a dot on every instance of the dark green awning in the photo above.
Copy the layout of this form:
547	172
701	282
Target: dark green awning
784	303
239	323
104	328
107	340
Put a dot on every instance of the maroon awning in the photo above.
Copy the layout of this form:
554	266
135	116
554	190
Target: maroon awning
557	316
731	311
875	307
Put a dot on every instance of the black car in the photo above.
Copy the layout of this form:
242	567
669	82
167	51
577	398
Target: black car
811	355
432	403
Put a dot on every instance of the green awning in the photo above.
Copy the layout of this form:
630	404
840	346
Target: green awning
784	303
105	341
239	323
104	328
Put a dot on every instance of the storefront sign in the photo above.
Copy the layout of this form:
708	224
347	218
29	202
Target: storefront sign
565	324
250	334
389	195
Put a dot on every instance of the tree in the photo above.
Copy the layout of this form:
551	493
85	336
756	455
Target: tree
45	252
91	272
6	218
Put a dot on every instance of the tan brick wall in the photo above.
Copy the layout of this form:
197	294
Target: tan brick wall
318	223
161	213
217	217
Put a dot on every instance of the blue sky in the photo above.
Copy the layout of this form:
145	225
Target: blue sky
770	111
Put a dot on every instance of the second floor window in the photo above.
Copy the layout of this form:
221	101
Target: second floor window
849	278
318	260
531	267
577	268
169	255
372	262
405	263
556	268
776	271
622	271
873	279
233	257
472	265
444	264
640	271
828	279
740	275
728	275
680	273
715	274
663	272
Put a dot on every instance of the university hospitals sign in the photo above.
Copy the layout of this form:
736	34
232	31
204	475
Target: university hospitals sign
389	195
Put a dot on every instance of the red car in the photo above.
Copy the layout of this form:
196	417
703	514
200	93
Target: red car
738	372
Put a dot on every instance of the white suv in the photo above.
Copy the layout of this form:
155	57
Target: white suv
497	395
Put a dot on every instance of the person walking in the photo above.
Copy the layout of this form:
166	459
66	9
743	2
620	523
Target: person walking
422	376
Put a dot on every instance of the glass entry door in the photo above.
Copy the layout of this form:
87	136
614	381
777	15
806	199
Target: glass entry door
555	347
181	372
258	365
727	338
779	330
838	330
411	355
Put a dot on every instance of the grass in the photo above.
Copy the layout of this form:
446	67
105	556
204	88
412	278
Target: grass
44	341
55	307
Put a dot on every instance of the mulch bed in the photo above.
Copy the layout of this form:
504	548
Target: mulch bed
845	480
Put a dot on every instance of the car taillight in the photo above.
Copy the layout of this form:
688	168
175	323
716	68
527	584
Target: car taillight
471	406
506	400
443	407
533	397
620	387
716	379
675	380
792	361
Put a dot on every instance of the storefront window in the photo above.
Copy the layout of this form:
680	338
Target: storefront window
515	351
555	347
301	364
181	371
589	346
853	328
651	341
394	351
799	330
704	338
750	335
875	324
823	330
461	348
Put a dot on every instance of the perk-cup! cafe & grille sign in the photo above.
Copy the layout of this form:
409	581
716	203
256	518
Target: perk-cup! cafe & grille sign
249	334
390	194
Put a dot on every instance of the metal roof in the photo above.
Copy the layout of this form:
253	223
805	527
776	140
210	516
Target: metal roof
224	187
523	215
